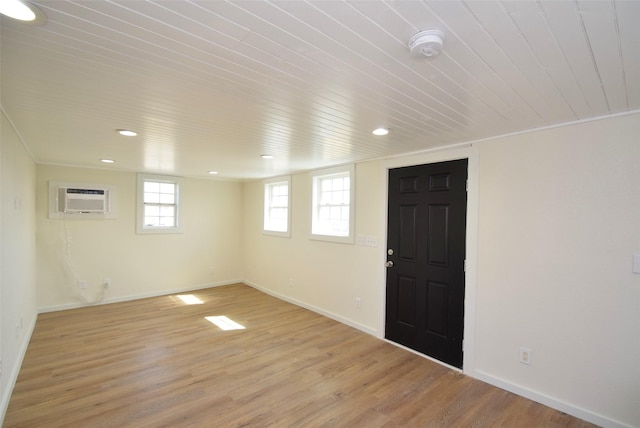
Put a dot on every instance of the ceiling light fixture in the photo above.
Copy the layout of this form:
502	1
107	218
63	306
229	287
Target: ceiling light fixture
126	132
267	156
426	44
22	11
213	172
380	131
107	161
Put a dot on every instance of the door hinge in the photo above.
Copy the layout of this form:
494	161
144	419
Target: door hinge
465	265
466	185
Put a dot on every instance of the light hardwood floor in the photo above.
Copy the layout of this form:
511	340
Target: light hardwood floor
159	363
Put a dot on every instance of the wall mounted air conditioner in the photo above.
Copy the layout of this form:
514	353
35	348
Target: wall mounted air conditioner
80	200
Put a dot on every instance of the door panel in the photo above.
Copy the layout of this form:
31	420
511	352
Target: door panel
408	222
425	284
406	297
438	235
437	305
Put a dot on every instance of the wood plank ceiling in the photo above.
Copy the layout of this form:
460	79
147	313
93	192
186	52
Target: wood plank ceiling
212	85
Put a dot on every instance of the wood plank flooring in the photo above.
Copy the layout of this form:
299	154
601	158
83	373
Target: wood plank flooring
159	363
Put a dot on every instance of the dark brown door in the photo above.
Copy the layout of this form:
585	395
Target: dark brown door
426	252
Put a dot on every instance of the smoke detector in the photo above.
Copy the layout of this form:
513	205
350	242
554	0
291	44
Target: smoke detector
426	44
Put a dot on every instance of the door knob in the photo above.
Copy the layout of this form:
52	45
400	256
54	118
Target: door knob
389	264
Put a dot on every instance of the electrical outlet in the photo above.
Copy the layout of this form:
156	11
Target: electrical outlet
358	302
82	284
291	283
525	356
106	282
212	269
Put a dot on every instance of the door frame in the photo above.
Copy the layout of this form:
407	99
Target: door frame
463	151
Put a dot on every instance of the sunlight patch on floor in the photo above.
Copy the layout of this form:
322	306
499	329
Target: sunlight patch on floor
190	299
225	323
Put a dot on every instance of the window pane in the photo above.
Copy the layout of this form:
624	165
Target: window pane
151	221
167	198
335	213
338	184
151	186
151	210
278	220
167	188
167	211
279	190
336	198
151	198
167	222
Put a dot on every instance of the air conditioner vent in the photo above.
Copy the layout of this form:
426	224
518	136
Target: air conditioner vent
78	200
82	201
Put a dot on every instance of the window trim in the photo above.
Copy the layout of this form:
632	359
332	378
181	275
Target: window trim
140	227
315	180
267	185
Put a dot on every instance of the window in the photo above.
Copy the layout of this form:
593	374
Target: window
158	204
277	198
333	203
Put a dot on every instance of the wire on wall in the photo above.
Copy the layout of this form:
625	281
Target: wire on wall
69	263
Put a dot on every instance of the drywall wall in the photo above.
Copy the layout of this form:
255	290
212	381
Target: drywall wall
324	276
553	224
18	311
71	249
559	222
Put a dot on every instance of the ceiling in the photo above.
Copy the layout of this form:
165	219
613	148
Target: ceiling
212	85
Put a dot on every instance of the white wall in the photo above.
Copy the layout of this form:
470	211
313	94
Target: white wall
559	223
324	276
553	226
138	265
18	311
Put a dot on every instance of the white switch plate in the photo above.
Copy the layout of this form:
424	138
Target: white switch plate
636	263
367	241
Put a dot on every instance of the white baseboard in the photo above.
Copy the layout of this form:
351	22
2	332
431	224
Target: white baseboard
317	310
15	370
548	401
137	296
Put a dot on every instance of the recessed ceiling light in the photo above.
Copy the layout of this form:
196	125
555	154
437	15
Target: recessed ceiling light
22	11
107	161
380	131
126	132
213	172
267	156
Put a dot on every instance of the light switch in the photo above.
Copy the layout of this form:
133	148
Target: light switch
636	263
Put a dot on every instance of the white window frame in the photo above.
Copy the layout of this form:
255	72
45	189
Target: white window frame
269	185
141	228
317	231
